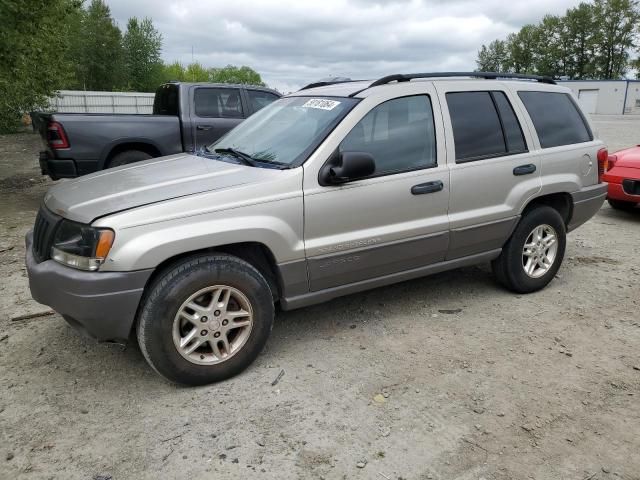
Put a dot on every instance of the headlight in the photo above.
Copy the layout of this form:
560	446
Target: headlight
81	246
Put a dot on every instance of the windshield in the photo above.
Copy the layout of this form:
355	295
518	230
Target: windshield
287	130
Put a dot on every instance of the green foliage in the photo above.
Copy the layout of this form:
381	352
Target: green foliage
49	45
142	44
99	50
231	74
33	41
592	40
195	72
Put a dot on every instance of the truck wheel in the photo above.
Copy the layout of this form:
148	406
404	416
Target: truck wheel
621	205
205	319
127	157
533	254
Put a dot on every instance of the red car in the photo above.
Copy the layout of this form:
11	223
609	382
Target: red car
622	172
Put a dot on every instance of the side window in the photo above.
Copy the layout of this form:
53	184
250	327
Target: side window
556	118
399	133
260	99
510	124
218	102
484	126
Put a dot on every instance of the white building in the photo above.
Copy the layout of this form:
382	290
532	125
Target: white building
607	97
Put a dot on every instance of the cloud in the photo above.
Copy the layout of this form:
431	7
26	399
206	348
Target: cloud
291	43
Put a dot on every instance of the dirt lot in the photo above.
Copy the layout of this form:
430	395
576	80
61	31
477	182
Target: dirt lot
447	377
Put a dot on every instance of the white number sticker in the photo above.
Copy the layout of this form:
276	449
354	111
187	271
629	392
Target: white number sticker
321	103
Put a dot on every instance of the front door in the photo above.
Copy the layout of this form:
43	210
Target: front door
216	111
396	219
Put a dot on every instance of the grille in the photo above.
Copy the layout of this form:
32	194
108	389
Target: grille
43	230
631	187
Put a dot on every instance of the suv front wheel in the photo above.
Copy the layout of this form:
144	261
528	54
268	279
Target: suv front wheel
205	319
534	253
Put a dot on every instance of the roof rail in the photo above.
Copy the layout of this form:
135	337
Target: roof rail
323	83
400	77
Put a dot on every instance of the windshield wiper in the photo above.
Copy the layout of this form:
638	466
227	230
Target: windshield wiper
243	157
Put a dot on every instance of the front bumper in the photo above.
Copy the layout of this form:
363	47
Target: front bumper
586	202
102	304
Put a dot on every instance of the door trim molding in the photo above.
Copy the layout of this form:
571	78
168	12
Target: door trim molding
290	303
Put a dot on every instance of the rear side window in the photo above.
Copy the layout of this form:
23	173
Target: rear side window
218	102
556	118
166	100
399	133
259	99
484	126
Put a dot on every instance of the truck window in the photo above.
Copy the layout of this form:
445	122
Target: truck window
166	100
260	99
556	118
399	133
218	102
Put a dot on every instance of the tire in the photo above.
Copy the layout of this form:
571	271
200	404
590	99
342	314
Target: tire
160	329
621	204
509	267
127	157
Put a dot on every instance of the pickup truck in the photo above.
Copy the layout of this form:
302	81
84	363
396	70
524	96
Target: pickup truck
186	117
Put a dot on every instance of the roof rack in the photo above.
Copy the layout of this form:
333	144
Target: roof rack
400	77
323	83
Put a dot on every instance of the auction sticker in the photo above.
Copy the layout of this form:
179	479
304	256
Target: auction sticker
321	103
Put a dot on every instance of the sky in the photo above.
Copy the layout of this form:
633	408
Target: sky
292	43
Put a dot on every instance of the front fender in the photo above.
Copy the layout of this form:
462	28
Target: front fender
277	225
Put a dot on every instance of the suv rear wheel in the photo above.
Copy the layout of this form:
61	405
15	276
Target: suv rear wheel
205	319
533	254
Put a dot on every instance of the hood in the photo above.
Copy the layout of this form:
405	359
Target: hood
92	196
628	158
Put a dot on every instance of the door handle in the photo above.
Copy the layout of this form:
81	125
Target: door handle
203	127
524	169
429	187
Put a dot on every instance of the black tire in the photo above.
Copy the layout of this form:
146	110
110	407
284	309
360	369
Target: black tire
167	294
508	267
621	205
127	157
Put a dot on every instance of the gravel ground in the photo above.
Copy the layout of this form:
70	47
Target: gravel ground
446	377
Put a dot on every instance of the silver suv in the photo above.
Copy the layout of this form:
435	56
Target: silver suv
334	189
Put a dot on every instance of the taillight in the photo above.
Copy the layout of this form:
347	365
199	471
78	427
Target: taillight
603	155
56	137
611	161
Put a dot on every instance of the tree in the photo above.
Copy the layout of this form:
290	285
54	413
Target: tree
592	40
34	39
100	53
494	58
142	45
580	27
616	24
231	74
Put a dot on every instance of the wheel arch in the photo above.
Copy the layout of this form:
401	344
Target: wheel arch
143	145
560	201
257	254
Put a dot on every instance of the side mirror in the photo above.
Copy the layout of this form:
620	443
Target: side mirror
346	166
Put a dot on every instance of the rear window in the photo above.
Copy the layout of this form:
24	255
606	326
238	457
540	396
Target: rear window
260	99
166	100
484	126
556	118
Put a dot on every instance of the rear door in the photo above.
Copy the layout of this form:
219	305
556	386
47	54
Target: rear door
493	172
216	110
